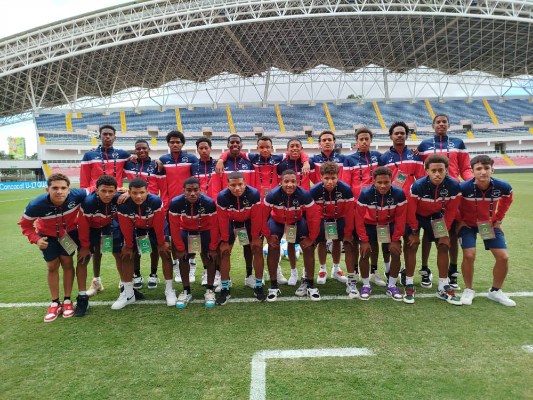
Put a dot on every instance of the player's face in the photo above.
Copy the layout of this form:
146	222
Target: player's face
175	144
192	192
482	173
264	148
289	184
327	142
142	151
236	187
399	136
58	191
382	183
295	149
329	181
441	125
105	193
363	141
204	150
107	136
235	146
138	195
436	172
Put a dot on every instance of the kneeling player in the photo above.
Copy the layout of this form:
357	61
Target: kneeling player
194	229
484	203
239	216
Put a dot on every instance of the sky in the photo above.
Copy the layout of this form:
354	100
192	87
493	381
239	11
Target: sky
23	15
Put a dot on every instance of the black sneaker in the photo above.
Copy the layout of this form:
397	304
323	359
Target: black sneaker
259	293
402	277
138	281
425	280
223	297
82	305
452	280
138	295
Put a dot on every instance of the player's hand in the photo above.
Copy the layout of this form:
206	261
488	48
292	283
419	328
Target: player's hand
219	168
459	226
224	248
413	240
395	247
123	197
273	241
127	252
160	166
306	242
164	249
365	249
42	243
306	167
348	240
212	255
181	255
84	254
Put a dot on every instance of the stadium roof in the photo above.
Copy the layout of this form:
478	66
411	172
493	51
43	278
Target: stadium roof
148	44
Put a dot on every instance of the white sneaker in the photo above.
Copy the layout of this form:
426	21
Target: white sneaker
217	279
378	281
338	274
293	280
177	274
302	290
273	294
313	294
171	297
204	278
467	297
351	290
96	287
183	299
250	281
123	301
192	272
322	277
280	278
210	300
501	298
219	287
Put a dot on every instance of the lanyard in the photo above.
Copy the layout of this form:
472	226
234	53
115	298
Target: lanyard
107	159
369	163
63	222
232	213
447	147
435	195
336	210
401	160
288	208
140	170
199	214
141	217
382	205
483	192
271	164
176	160
297	168
207	172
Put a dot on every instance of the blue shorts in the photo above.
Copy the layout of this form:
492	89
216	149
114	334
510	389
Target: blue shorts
55	250
340	229
372	233
95	235
245	224
279	229
425	224
205	237
467	239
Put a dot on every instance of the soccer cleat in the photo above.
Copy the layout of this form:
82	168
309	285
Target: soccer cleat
182	301
452	280
351	290
322	277
218	288
366	291
259	293
280	278
54	311
425	279
499	297
313	294
302	290
293	279
138	282
394	293
96	287
273	294
449	295
338	274
204	278
217	279
123	301
223	297
82	305
467	297
177	273
250	281
378	280
68	309
409	294
209	297
153	280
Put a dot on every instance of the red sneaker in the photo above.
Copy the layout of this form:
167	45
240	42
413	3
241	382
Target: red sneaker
68	309
54	310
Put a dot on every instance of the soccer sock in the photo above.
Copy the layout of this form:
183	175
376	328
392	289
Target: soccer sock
128	289
442	282
387	267
97	279
168	284
336	267
225	284
187	289
56	301
392	281
82	293
258	282
366	281
248	271
274	284
373	269
409	280
494	289
322	267
294	272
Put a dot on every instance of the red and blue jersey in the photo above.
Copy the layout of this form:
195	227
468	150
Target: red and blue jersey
484	205
373	208
358	170
246	207
177	169
319	159
95	214
407	163
193	217
147	170
304	181
42	218
242	165
339	203
210	181
452	148
148	215
102	161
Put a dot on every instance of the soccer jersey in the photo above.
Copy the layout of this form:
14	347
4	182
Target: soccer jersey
358	170
304	181
406	164
242	165
452	148
177	169
231	208
339	203
102	161
210	181
95	214
319	159
149	215
147	170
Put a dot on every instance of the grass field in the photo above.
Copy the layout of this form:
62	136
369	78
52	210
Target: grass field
426	350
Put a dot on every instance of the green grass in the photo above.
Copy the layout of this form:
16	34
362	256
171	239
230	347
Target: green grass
428	350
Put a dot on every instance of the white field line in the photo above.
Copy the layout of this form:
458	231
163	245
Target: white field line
253	300
7	201
258	378
528	348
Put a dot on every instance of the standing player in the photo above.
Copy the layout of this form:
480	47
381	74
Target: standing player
239	213
484	203
380	220
50	222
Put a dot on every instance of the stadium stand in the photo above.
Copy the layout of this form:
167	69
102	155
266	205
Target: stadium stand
511	110
245	119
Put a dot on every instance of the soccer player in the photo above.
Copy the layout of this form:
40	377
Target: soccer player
432	205
284	215
459	166
484	203
380	220
194	228
335	201
239	213
142	223
146	168
50	221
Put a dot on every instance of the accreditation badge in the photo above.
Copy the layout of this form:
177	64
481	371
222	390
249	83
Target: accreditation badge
143	245
194	243
330	228
399	180
486	230
290	233
106	244
383	233
242	236
439	228
68	244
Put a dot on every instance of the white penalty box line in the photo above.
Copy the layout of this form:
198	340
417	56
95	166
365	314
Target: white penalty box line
258	379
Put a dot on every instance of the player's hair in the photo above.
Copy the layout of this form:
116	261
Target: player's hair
326	133
101	128
57	177
294	140
204	139
264	139
288	172
138	183
436	159
175	134
481	159
142	141
396	124
329	167
382	171
235	175
191	181
107	180
233	136
363	129
440	115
